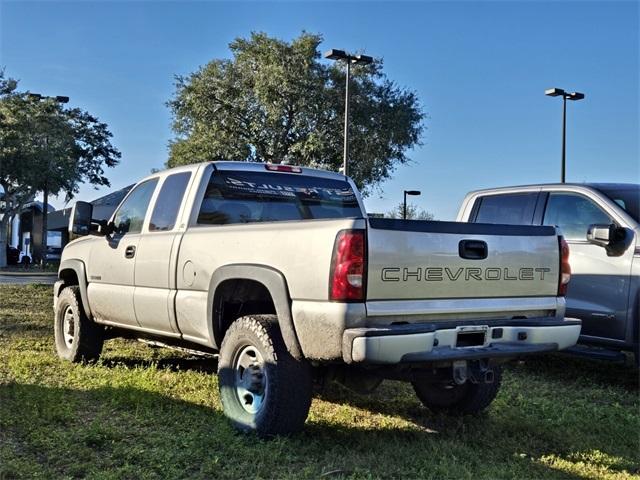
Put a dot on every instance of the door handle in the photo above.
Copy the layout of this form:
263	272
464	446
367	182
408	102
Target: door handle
473	249
130	251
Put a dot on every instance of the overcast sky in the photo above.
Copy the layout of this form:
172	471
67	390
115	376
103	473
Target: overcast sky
480	70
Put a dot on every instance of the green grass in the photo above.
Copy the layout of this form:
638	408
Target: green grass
151	413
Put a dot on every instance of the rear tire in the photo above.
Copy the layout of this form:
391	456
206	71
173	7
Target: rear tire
262	387
78	338
452	399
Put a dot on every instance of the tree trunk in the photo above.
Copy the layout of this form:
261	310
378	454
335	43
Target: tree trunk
3	242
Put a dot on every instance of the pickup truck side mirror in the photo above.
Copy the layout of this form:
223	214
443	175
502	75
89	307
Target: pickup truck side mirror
80	219
611	237
102	227
600	234
81	223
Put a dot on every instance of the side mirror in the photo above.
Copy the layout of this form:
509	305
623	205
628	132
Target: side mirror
80	219
102	227
613	238
600	234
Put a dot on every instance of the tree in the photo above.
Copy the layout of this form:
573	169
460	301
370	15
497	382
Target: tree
413	212
276	101
42	143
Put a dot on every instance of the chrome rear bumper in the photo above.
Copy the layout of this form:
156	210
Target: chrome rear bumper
466	340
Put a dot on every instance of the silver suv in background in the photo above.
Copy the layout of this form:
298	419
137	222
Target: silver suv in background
601	223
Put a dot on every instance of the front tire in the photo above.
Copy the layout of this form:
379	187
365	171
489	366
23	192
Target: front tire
262	387
78	338
452	399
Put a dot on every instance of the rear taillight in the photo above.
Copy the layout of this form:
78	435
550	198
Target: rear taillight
565	267
348	267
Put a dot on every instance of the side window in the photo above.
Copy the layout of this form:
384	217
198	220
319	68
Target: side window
130	216
511	208
168	202
573	214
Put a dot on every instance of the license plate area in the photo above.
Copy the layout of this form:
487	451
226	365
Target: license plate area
471	336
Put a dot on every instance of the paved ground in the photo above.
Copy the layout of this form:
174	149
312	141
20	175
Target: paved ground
26	279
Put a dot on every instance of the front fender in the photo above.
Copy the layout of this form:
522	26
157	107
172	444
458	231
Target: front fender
78	267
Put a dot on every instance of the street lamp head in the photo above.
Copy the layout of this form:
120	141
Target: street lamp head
363	59
413	192
334	54
58	98
554	92
575	96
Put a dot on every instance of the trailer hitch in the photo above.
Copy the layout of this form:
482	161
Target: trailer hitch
476	371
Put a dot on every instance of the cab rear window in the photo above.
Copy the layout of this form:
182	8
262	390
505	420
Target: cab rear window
510	209
248	197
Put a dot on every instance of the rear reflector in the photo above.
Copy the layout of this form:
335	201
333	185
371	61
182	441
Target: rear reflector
282	168
565	267
348	267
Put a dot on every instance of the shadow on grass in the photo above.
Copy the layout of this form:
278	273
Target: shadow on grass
128	432
557	420
21	326
174	364
397	399
567	368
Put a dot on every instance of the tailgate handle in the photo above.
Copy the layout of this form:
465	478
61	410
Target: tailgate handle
473	249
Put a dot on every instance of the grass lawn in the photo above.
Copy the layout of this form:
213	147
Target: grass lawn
152	413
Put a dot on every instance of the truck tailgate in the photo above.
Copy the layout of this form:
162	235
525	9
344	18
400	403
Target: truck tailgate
435	260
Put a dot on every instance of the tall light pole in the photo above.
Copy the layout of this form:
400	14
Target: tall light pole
45	189
557	92
404	205
341	55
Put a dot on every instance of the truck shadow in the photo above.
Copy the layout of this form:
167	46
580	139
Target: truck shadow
174	364
567	368
133	432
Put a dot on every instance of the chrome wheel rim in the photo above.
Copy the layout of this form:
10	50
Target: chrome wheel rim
251	381
68	326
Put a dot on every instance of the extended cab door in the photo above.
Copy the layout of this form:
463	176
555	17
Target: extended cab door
599	289
156	255
111	266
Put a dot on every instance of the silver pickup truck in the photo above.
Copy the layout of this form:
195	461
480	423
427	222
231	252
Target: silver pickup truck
277	270
601	223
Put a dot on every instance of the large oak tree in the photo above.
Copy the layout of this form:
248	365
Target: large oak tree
43	143
275	101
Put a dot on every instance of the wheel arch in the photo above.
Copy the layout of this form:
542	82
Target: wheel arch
275	284
72	272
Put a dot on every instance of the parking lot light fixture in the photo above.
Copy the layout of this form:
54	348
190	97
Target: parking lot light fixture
554	92
557	92
341	55
404	207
